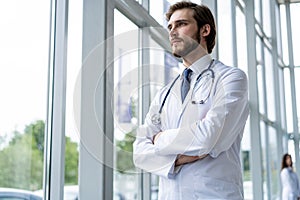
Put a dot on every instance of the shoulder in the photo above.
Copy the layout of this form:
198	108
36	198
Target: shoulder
230	75
225	70
284	171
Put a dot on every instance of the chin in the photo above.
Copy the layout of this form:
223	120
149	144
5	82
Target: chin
176	55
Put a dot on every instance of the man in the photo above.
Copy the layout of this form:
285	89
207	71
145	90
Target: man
193	141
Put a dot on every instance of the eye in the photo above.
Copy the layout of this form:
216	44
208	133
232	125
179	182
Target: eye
181	24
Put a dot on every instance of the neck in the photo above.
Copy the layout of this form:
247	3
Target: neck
193	56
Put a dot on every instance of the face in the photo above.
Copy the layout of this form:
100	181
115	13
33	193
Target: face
288	161
183	32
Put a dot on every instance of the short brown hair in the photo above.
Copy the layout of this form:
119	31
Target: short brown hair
202	15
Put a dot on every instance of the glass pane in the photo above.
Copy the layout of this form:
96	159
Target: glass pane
264	156
291	150
246	151
266	17
74	61
24	48
297	83
270	93
241	40
126	79
285	51
259	50
282	98
257	10
224	24
158	10
274	163
288	100
295	16
260	88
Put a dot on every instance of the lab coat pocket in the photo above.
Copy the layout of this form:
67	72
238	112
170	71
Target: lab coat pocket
202	93
216	189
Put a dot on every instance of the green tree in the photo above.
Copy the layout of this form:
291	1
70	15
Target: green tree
21	161
21	165
71	162
124	153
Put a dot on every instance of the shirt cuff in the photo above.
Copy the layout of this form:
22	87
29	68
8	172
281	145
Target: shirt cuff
174	170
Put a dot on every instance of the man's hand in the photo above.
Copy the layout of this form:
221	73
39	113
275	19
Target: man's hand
184	159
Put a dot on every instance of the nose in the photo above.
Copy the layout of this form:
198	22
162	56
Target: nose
172	32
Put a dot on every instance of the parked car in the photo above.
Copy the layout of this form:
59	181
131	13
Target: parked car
18	194
71	192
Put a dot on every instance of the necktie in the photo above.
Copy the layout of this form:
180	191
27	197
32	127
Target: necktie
186	83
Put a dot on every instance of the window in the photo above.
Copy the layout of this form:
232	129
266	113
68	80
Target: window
24	48
126	104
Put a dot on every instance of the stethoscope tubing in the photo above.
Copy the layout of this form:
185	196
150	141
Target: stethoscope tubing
156	117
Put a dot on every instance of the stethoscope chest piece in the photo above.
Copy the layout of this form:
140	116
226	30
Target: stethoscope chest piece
155	119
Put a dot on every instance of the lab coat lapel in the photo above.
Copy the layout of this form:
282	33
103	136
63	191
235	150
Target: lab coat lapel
184	104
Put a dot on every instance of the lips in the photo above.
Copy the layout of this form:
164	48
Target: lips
176	40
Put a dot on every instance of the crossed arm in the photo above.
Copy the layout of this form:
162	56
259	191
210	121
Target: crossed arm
159	151
181	158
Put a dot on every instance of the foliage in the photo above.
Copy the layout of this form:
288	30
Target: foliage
21	161
124	153
71	162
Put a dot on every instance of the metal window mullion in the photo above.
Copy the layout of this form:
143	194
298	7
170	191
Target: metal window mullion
144	74
268	160
256	157
267	137
278	104
293	87
234	35
109	108
55	132
96	93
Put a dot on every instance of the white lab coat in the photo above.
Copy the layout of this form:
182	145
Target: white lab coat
215	128
290	184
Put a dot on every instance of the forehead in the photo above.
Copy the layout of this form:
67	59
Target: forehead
182	14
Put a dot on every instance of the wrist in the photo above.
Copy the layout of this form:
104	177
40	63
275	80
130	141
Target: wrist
155	137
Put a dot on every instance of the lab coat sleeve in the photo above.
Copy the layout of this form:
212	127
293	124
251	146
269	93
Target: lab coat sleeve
218	130
144	154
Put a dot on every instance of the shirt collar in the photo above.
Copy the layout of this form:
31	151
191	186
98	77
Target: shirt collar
199	65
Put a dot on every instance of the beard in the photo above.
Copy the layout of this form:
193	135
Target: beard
186	45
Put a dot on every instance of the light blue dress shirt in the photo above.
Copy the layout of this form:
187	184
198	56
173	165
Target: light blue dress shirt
214	128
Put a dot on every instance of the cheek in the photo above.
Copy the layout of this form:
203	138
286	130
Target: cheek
190	33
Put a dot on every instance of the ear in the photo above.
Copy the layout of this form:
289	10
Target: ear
205	30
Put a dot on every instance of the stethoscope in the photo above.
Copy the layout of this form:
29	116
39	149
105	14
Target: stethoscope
156	119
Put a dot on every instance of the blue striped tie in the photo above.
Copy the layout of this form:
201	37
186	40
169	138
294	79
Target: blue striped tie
186	83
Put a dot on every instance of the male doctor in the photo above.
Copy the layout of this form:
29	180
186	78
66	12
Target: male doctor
192	133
